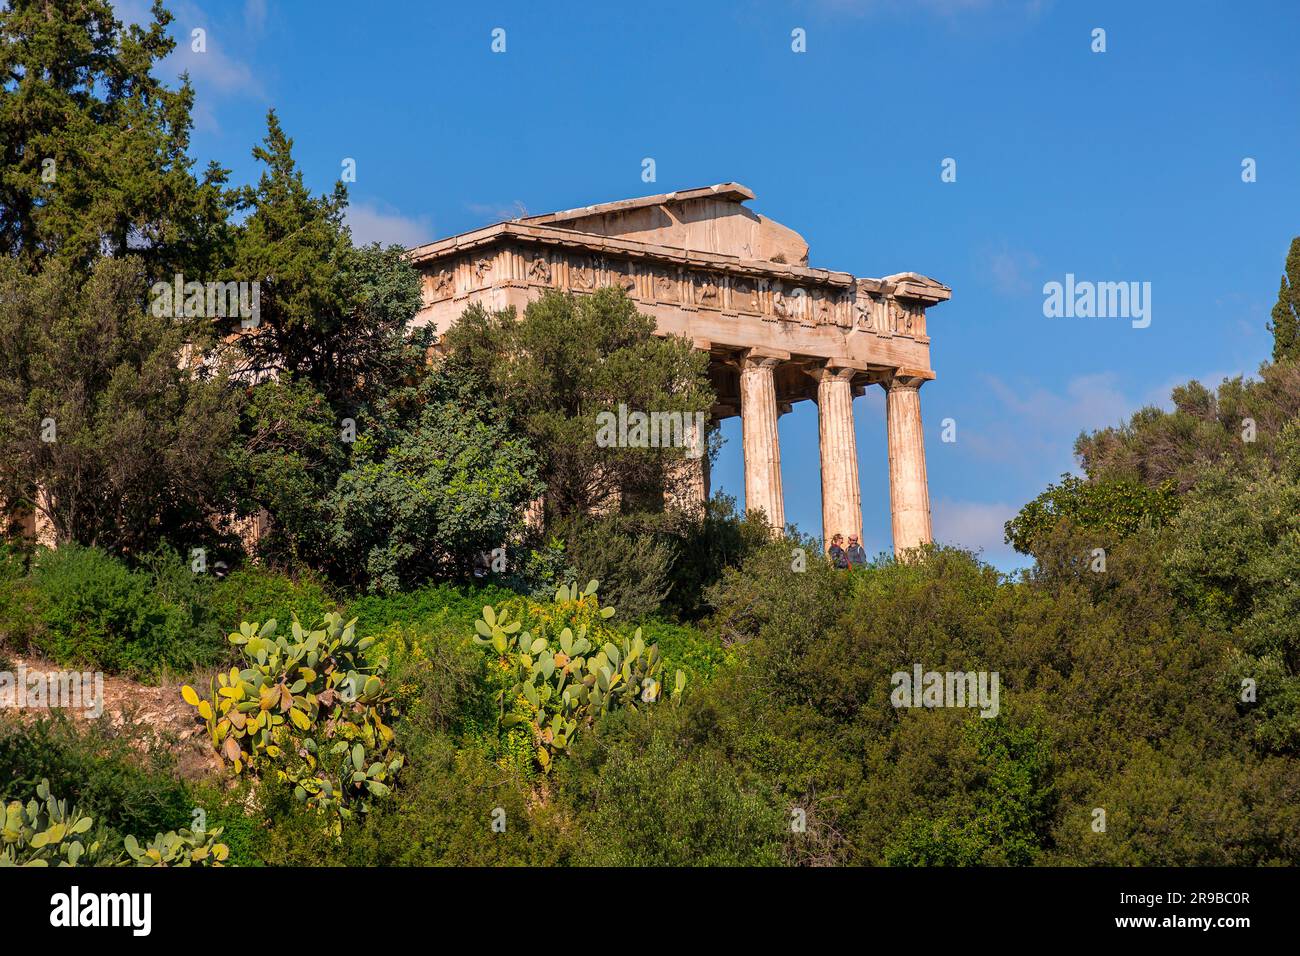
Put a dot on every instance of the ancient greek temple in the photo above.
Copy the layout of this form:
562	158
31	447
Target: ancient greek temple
739	287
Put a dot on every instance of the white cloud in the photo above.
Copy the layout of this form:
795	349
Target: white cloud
977	526
1089	401
372	223
133	11
221	70
218	68
1009	270
1030	429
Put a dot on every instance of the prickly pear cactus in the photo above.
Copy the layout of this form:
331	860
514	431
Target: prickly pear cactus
45	832
308	709
180	848
561	682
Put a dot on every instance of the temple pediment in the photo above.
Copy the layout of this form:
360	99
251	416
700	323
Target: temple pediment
707	219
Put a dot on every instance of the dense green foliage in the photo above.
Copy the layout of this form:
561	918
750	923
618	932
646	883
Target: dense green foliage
1114	509
566	360
651	562
94	153
96	613
81	607
426	494
1242	421
125	446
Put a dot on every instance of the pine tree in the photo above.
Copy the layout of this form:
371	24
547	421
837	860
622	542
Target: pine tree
93	159
1286	314
332	315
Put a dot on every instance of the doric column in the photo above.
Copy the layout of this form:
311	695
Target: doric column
758	415
841	492
686	479
909	494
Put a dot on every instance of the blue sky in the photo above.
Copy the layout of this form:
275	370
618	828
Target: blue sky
1115	166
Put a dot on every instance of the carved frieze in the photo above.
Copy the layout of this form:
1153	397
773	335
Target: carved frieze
904	317
443	282
826	309
782	298
582	274
790	303
539	268
622	275
745	295
865	308
666	285
708	291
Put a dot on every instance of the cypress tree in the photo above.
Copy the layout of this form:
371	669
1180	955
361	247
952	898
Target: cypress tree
1286	314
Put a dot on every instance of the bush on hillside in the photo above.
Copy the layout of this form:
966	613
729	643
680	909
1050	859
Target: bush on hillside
96	612
255	593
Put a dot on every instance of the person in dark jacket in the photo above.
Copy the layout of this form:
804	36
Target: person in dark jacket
838	557
857	557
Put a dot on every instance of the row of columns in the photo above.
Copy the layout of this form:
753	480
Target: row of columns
909	494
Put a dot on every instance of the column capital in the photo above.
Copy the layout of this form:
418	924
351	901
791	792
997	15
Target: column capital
909	379
761	358
837	370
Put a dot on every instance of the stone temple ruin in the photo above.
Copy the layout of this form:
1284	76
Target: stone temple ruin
739	286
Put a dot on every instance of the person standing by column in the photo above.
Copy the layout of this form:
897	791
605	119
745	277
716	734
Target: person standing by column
836	552
856	556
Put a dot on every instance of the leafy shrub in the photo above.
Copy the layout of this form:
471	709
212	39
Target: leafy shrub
434	676
457	808
260	594
305	710
662	562
19	614
1116	507
96	612
176	581
422	501
706	545
633	568
652	802
698	653
443	608
543	568
1002	819
1234	561
235	810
